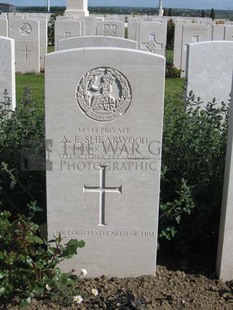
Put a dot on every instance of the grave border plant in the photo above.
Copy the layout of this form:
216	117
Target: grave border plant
194	147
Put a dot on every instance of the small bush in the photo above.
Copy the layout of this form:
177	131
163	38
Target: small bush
194	146
29	264
172	72
22	135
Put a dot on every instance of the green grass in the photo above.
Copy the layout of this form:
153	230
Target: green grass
169	56
50	49
36	84
173	87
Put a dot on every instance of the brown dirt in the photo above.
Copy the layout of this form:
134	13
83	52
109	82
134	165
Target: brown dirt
167	290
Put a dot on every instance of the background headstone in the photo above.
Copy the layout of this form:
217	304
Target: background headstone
67	29
152	37
229	33
209	70
111	29
7	70
26	34
106	135
3	27
95	41
225	242
185	34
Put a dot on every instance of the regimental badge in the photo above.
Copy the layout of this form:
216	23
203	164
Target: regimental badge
25	29
104	94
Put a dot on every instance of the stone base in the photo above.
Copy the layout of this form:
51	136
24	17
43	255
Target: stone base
76	13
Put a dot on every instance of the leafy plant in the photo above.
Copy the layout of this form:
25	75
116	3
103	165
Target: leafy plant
21	138
194	148
29	264
172	72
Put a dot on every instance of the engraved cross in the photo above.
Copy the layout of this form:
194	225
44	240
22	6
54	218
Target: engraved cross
26	52
102	189
151	45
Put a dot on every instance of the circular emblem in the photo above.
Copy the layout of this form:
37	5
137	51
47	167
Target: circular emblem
103	94
25	29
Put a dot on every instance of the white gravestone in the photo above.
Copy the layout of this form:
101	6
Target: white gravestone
95	41
209	70
3	27
218	32
43	39
132	28
229	33
111	29
89	25
77	8
104	111
185	34
66	29
225	242
152	37
27	44
7	70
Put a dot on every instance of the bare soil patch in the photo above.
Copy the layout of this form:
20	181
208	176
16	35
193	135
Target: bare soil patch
167	290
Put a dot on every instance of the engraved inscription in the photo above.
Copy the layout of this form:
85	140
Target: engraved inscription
26	51
151	45
25	29
102	189
110	30
195	39
105	233
103	94
67	34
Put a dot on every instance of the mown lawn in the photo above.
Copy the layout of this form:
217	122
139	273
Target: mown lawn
36	84
173	87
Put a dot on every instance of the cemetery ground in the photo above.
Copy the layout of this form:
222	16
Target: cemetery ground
179	285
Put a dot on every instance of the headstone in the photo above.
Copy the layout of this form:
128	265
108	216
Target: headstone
225	242
66	29
209	70
111	29
7	70
95	41
229	33
132	28
43	39
218	32
152	37
185	34
89	25
77	8
3	27
27	44
106	154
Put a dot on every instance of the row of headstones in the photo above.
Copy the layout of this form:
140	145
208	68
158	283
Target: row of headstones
106	158
192	33
31	39
109	143
150	35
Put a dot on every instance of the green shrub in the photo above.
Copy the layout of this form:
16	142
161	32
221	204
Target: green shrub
194	145
29	264
172	72
21	136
